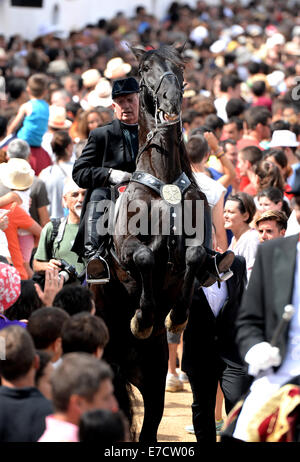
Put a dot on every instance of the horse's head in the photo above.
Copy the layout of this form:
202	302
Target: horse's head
161	82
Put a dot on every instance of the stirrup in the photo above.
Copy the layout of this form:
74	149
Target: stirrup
225	276
98	277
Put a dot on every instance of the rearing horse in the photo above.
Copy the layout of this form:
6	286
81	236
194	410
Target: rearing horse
152	273
166	263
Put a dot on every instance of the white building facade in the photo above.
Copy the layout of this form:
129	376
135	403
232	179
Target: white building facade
68	14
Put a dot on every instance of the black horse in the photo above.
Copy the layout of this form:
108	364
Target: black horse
153	270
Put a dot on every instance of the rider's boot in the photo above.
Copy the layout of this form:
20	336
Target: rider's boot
97	269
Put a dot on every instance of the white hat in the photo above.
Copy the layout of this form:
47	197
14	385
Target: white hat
69	186
275	39
283	138
58	118
101	96
236	30
275	78
16	174
90	78
199	34
254	30
116	68
296	31
218	46
58	66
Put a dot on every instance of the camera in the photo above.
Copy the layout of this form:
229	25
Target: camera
68	272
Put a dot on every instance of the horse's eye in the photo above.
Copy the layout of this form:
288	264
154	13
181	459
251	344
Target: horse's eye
146	68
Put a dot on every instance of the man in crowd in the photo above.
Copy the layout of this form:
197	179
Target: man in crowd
80	383
50	252
271	224
23	407
270	352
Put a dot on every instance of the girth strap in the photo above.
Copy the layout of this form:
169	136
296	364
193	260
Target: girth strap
154	183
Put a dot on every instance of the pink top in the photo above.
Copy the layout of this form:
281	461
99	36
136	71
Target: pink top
58	431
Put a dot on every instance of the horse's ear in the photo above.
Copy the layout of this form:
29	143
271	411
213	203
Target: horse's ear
180	47
138	52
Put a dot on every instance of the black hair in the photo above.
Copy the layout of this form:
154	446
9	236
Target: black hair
74	298
84	332
235	107
3	126
245	204
27	302
229	81
102	425
15	87
45	325
259	88
45	359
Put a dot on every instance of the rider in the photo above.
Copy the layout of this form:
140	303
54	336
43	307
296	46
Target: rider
109	158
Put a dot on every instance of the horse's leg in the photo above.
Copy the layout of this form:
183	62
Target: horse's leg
142	323
176	320
154	402
142	257
154	368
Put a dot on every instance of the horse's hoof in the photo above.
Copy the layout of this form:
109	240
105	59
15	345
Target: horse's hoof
137	331
172	327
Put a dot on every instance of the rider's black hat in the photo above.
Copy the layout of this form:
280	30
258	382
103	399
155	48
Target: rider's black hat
124	87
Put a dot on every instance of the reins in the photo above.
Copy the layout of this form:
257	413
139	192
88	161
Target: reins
158	126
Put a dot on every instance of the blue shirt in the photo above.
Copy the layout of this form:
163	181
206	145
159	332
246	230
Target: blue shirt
36	124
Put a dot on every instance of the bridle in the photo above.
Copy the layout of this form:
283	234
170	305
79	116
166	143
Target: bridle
158	126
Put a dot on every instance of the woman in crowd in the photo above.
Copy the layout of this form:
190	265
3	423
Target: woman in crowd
87	121
272	199
239	211
55	175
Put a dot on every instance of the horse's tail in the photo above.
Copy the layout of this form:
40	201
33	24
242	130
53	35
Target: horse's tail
124	395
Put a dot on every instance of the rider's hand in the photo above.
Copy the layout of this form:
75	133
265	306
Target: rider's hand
262	356
118	176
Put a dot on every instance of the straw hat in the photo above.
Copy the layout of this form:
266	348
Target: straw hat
101	96
90	78
58	118
16	174
116	68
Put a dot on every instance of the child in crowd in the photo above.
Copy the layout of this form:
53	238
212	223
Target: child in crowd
34	116
18	176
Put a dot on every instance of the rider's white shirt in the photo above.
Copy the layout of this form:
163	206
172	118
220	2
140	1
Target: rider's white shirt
263	387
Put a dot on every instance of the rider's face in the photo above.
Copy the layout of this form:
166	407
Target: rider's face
126	108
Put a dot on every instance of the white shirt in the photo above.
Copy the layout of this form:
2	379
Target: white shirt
216	296
293	226
220	105
4	245
211	188
246	247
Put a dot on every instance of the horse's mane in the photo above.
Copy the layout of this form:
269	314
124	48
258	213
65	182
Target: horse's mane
166	52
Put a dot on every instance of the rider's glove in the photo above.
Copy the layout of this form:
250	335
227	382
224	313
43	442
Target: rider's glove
262	356
118	176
